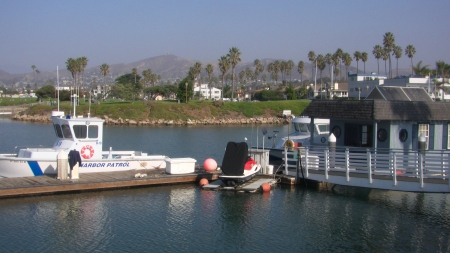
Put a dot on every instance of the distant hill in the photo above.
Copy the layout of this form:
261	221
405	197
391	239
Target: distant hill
168	66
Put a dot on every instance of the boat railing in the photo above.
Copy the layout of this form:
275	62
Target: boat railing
396	163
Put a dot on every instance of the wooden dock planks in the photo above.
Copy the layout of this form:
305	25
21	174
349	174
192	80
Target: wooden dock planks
15	187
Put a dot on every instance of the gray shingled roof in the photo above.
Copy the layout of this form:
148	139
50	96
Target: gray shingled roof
399	93
378	110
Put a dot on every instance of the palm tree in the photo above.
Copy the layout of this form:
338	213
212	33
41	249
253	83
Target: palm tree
301	67
335	63
329	61
34	73
104	69
312	58
224	66
443	68
234	56
134	72
282	69
364	58
397	52
289	66
378	53
259	68
347	61
198	70
83	63
357	56
276	69
146	74
209	70
421	70
340	54
410	51
385	56
321	64
389	43
35	83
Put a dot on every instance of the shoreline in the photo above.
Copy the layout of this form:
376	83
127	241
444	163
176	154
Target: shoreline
163	122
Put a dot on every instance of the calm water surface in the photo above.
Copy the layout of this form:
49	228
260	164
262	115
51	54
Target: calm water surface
184	218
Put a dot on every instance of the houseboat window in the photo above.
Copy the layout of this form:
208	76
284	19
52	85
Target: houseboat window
424	129
403	135
336	131
93	131
364	135
58	131
66	131
382	135
80	131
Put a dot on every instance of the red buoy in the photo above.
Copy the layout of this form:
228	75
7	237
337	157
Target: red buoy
210	164
203	182
265	187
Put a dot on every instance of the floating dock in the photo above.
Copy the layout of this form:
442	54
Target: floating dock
250	186
48	184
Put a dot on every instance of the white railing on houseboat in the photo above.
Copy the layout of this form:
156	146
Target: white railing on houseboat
370	164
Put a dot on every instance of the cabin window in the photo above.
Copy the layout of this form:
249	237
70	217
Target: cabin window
66	131
424	129
357	135
364	135
58	131
336	131
403	135
80	131
304	128
93	131
382	135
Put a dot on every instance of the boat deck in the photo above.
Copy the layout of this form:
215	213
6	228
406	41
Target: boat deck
41	185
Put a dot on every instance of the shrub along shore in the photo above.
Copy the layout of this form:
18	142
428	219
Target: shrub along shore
173	113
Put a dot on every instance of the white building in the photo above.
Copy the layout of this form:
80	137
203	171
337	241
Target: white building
205	92
360	85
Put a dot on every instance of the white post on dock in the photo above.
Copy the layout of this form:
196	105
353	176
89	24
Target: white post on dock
62	164
74	173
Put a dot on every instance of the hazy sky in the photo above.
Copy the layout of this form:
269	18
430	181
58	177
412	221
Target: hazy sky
46	33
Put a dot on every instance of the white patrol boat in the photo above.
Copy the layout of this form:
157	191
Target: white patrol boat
84	135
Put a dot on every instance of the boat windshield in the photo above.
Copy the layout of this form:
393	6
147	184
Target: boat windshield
62	131
301	127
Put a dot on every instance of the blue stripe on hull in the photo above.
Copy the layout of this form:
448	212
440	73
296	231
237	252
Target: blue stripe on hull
35	168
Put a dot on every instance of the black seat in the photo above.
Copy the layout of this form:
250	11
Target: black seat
235	158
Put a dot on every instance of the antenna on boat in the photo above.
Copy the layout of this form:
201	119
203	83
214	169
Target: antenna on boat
57	81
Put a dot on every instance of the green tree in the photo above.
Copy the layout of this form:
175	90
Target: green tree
347	61
389	43
397	52
300	69
340	56
378	53
104	70
357	56
421	70
410	51
364	58
312	59
209	70
234	57
185	90
135	73
47	91
224	66
290	92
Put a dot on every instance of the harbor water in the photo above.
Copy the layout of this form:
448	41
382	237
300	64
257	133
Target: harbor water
184	218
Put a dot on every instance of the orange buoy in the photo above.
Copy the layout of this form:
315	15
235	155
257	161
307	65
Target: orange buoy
398	172
210	164
203	182
265	187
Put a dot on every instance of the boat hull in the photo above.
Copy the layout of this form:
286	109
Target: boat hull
28	167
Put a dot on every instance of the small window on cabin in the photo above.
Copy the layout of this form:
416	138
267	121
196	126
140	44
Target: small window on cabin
66	131
403	135
80	131
336	131
364	135
382	135
58	131
93	131
424	129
